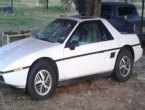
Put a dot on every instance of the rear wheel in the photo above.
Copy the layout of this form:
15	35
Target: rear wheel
123	66
41	81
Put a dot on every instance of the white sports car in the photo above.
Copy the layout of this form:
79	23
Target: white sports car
68	49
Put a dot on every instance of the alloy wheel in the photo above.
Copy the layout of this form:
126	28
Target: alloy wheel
43	82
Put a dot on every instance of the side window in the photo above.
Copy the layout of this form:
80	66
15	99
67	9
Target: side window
125	11
105	33
87	32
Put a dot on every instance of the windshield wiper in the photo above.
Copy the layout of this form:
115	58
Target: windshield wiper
46	39
36	36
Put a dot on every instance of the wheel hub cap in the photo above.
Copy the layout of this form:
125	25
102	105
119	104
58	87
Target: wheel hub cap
43	82
124	66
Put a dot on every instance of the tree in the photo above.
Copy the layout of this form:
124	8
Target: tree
66	5
12	3
126	1
93	7
87	7
44	3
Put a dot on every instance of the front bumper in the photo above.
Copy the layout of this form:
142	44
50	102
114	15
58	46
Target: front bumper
17	79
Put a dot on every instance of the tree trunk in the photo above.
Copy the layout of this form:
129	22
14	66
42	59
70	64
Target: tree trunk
93	7
45	3
126	1
12	3
97	8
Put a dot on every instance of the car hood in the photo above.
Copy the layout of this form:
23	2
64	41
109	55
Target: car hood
15	52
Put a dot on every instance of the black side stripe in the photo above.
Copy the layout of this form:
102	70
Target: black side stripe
136	45
92	53
85	54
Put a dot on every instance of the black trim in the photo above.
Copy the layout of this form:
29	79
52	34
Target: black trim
112	55
2	79
85	78
14	70
92	53
136	45
86	54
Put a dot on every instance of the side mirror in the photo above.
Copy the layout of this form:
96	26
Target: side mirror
73	44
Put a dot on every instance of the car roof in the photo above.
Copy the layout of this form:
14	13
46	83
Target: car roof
80	18
117	4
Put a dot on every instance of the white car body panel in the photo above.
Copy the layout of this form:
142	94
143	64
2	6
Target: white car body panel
17	79
132	38
79	66
34	49
137	53
96	67
15	56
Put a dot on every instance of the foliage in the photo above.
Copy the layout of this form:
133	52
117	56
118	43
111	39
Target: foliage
66	1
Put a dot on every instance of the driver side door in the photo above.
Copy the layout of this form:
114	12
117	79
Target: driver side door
82	53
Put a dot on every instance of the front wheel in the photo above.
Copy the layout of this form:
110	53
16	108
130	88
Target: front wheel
123	67
41	81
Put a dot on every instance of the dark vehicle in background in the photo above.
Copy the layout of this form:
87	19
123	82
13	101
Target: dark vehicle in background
124	17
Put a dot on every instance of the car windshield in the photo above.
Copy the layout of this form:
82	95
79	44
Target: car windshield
57	31
125	11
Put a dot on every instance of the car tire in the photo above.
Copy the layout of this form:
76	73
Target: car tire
123	66
41	81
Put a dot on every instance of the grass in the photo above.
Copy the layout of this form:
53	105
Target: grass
38	10
28	18
19	22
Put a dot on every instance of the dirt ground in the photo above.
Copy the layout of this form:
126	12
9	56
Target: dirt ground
100	94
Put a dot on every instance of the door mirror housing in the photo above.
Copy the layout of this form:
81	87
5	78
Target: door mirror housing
73	44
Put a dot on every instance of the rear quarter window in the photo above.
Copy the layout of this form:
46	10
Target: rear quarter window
106	35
